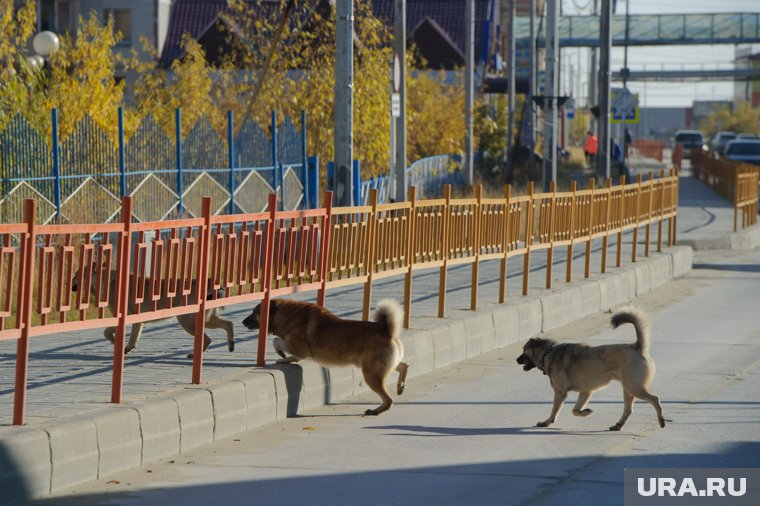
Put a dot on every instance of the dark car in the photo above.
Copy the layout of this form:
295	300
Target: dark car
744	150
720	140
689	139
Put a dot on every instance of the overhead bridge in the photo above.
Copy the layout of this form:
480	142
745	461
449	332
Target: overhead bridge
652	30
690	74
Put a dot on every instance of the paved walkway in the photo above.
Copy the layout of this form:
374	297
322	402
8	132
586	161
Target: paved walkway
70	374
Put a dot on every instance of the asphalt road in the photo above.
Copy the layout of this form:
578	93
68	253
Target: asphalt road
466	435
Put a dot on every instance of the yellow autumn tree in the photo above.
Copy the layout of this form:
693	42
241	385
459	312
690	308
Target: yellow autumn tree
19	81
82	77
743	118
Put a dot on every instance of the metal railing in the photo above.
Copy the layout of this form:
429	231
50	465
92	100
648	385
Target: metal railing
81	177
129	272
736	182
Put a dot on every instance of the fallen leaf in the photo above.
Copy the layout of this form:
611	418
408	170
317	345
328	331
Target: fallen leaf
309	428
114	482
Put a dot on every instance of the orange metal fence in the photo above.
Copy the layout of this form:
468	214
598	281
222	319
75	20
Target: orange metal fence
75	277
735	182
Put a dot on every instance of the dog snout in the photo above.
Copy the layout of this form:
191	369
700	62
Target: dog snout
251	322
526	362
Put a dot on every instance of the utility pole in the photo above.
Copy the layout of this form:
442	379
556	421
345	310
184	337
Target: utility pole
344	101
399	84
511	70
605	48
533	77
551	92
469	89
625	73
593	96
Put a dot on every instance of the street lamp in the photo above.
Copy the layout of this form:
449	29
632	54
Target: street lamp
45	43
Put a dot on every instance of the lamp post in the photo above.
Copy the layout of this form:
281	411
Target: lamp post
45	43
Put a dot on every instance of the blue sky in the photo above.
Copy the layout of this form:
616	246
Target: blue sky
671	94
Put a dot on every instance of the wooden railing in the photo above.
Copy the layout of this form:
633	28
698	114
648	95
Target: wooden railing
128	272
736	182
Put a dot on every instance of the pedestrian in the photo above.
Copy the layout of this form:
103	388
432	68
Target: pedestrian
590	147
627	142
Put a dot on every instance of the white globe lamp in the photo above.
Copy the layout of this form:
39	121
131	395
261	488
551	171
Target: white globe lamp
45	43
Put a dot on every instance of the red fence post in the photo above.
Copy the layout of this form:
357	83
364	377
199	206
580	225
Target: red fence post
200	289
22	347
122	299
267	283
325	258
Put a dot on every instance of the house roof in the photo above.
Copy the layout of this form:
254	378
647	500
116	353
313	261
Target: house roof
449	15
196	16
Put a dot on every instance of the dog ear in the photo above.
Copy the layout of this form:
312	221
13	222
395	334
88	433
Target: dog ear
535	341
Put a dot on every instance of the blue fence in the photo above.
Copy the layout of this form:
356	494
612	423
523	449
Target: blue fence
428	175
81	178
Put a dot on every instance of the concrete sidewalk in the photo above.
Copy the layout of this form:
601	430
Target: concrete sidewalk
74	435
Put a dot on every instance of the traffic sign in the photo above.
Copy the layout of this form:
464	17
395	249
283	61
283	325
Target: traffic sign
624	105
395	105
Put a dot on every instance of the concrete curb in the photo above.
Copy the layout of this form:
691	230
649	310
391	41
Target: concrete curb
746	239
36	462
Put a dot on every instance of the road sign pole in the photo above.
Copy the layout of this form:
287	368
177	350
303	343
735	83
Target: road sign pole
399	88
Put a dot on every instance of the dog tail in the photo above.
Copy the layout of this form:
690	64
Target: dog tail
640	322
390	315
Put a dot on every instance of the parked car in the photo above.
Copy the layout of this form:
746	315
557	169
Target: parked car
747	136
689	139
744	150
718	144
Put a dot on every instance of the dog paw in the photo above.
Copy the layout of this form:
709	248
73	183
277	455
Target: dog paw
662	423
400	389
616	427
542	424
231	347
371	412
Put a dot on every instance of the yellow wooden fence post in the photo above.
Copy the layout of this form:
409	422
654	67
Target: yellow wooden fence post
621	218
550	233
587	267
637	215
528	238
444	252
370	259
569	261
475	241
410	255
505	246
605	239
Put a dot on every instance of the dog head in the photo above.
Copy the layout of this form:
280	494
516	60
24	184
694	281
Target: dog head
83	273
253	320
532	352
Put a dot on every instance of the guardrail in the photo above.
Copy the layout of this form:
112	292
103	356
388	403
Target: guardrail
736	182
76	277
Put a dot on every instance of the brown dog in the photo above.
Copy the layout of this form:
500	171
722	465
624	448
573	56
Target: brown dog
306	330
582	368
186	321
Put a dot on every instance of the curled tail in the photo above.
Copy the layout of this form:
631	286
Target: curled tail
390	314
640	322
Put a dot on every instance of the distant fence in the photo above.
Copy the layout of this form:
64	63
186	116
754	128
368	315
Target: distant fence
81	178
648	148
736	182
148	270
429	175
